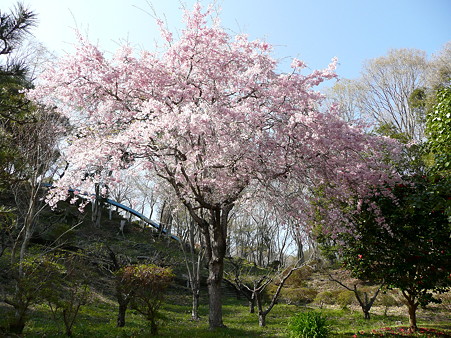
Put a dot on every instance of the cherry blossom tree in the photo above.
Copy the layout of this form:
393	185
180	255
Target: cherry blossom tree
211	115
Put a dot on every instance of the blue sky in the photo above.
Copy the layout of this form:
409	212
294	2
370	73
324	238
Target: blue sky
312	30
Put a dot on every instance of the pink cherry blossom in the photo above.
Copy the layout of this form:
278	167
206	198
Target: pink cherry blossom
212	116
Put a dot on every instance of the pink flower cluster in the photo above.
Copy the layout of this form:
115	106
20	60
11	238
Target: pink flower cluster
213	118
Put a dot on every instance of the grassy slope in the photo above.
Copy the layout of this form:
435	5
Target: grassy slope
98	319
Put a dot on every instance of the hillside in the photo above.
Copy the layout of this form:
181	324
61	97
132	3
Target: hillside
72	234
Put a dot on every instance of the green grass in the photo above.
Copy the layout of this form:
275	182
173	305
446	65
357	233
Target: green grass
99	320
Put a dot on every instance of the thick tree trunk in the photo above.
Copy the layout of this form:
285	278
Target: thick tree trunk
215	234
121	314
413	316
17	325
216	269
153	327
96	208
261	313
262	319
412	305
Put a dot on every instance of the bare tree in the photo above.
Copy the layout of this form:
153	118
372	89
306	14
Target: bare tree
382	94
439	71
388	82
194	253
346	95
252	281
365	300
37	144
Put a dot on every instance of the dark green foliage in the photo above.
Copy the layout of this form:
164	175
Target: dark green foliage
390	130
6	227
38	278
14	106
309	325
409	248
13	28
410	251
438	129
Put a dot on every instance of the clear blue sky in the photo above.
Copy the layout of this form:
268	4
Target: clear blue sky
312	30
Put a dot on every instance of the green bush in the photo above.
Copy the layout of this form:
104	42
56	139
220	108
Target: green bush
297	296
309	325
387	300
299	277
325	297
146	283
345	298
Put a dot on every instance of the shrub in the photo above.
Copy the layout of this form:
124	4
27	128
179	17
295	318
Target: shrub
345	298
325	297
309	324
299	277
297	296
35	279
388	300
147	284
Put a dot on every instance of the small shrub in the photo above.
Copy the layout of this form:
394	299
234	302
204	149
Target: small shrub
297	296
147	284
299	277
309	324
345	298
39	276
325	297
387	300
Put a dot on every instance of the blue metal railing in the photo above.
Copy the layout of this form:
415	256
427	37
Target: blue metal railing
125	208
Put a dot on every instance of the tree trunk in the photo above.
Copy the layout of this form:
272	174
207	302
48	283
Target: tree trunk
18	323
216	269
96	208
261	313
195	309
262	319
252	305
215	234
412	305
153	327
413	316
121	314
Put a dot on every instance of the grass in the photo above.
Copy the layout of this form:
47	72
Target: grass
99	320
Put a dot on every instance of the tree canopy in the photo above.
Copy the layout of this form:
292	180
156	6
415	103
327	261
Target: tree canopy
210	115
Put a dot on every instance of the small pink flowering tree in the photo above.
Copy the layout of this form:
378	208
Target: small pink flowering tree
212	117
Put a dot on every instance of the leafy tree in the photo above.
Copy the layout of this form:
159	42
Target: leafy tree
410	251
146	285
212	117
40	277
70	290
438	128
14	106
